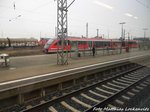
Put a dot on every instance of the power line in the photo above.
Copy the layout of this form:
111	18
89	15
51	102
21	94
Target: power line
146	6
24	10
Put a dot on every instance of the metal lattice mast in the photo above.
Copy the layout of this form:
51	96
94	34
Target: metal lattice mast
62	57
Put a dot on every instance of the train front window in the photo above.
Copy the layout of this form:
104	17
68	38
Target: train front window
49	42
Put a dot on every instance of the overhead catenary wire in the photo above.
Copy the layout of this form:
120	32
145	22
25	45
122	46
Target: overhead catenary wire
145	5
24	10
20	10
34	9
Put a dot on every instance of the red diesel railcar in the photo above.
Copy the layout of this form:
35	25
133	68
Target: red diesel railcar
72	43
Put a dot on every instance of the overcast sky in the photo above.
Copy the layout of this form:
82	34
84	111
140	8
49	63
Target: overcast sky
35	18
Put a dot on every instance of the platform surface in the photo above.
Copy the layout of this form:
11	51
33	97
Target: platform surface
27	66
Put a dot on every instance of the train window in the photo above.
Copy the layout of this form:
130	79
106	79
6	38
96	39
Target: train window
129	42
79	42
90	44
105	44
68	42
82	43
65	43
99	44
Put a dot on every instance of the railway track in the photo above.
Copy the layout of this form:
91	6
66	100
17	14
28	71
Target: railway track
120	90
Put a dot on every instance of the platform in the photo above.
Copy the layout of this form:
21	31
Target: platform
28	66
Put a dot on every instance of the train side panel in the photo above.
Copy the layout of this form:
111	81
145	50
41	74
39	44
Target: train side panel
84	44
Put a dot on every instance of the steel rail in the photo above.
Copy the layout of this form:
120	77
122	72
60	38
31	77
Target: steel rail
40	107
116	95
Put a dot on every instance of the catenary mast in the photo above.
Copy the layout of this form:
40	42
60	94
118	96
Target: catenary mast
62	31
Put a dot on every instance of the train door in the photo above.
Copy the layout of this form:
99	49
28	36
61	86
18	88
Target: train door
80	45
75	47
89	46
72	45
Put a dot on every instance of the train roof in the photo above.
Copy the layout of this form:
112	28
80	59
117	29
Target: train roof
74	39
91	39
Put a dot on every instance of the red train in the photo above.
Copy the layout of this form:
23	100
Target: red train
87	43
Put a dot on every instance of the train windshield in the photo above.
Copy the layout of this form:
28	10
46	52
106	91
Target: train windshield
49	42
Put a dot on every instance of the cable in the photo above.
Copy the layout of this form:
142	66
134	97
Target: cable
70	4
146	6
24	10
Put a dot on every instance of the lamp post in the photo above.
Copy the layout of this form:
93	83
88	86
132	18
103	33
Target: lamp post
144	40
145	29
122	35
97	32
87	27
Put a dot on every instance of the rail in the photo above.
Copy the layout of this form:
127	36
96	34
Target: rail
40	107
72	74
113	97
